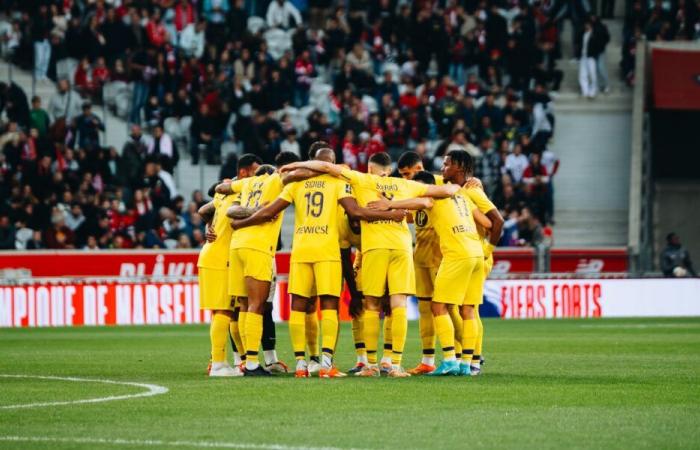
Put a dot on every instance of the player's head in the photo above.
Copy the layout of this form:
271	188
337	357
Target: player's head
284	158
316	146
325	154
265	169
410	163
673	239
247	165
380	164
458	164
424	177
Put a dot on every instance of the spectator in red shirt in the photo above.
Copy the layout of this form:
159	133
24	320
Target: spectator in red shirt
155	30
184	15
304	71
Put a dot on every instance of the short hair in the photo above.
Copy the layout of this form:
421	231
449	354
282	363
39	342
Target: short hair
316	146
424	177
212	190
248	160
409	159
382	159
265	169
284	158
463	159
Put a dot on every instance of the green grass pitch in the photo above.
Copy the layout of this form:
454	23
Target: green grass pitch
546	384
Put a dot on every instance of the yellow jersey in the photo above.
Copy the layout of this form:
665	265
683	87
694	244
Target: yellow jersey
256	191
484	205
384	234
427	252
316	217
454	224
214	255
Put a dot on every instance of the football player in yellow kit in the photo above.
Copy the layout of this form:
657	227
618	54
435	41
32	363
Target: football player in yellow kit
386	252
251	258
457	168
315	262
490	238
349	236
461	269
213	295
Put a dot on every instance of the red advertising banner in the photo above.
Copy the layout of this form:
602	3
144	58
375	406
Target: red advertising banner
587	260
68	304
513	260
676	78
108	263
171	263
77	304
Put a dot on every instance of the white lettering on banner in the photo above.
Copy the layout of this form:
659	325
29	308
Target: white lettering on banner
6	319
20	302
43	316
151	304
139	306
166	302
123	305
70	307
57	307
529	299
128	269
178	307
31	306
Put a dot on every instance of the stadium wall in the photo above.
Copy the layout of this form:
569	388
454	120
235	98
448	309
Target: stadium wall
45	289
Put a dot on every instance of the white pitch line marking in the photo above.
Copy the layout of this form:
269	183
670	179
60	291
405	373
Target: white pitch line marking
152	389
159	443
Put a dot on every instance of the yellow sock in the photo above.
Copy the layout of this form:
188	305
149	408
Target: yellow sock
370	329
253	336
312	334
468	339
478	346
445	331
218	334
426	329
357	337
399	329
388	339
329	328
241	331
457	323
297	323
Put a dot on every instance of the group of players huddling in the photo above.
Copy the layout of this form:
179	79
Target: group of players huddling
336	209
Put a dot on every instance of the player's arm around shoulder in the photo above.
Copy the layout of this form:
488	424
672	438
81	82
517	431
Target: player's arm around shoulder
356	212
263	215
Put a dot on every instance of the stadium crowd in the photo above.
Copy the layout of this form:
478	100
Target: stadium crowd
221	77
656	20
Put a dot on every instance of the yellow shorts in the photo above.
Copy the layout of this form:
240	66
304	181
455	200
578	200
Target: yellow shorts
393	267
213	292
246	262
488	266
309	279
457	278
425	281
